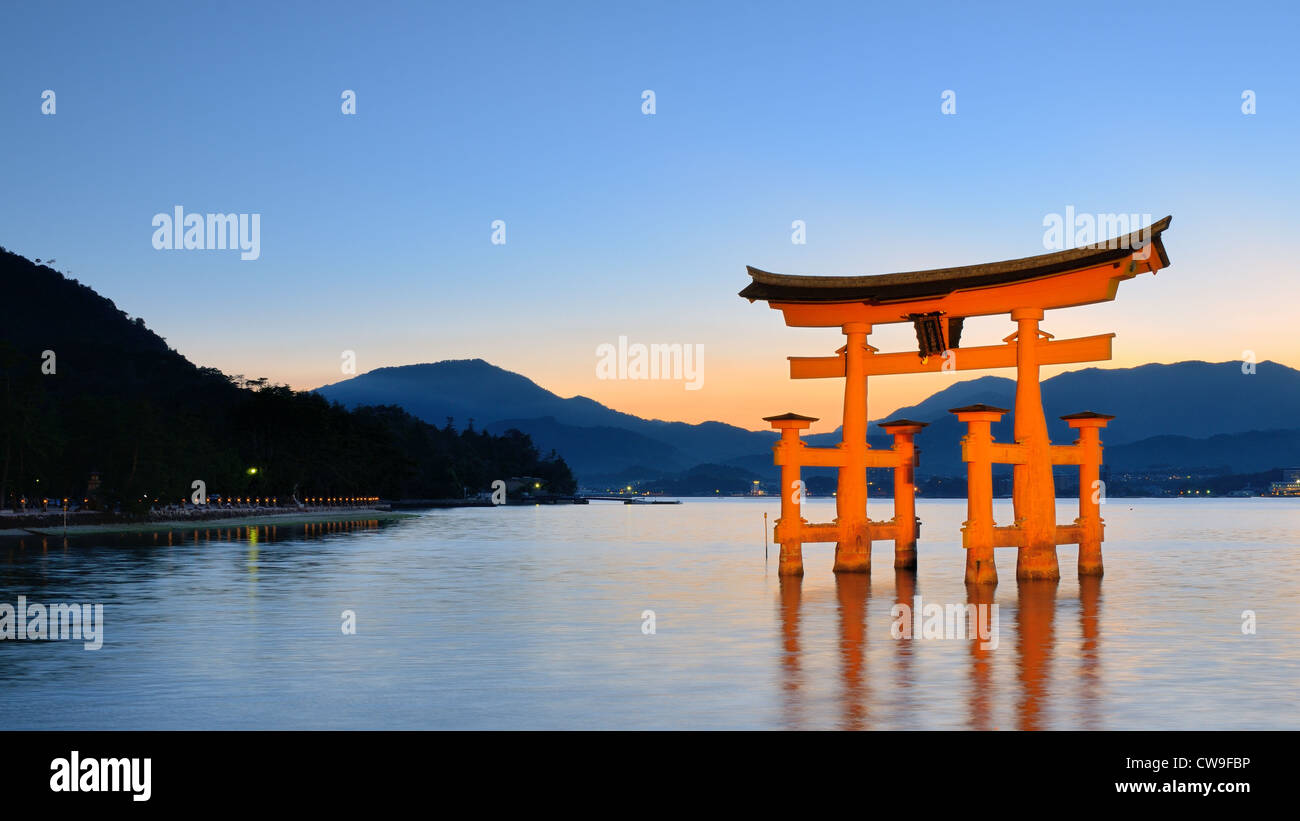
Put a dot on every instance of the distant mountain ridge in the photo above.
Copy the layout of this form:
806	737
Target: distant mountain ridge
592	437
97	408
1203	413
1193	398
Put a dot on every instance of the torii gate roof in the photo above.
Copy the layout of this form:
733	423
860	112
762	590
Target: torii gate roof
938	284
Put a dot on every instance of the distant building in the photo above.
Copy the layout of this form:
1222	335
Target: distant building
526	485
1289	486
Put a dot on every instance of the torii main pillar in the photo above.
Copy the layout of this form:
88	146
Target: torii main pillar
1033	493
853	550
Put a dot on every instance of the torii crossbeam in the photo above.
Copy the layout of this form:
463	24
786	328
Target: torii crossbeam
936	302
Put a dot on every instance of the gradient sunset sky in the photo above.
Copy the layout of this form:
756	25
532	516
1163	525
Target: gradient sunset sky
376	228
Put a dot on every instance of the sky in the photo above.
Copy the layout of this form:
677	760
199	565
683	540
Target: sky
377	228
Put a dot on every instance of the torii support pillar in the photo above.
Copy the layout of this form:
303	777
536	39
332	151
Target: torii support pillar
905	521
1089	425
789	527
977	531
853	550
1033	490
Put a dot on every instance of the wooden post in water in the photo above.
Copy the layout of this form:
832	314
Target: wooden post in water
977	451
1089	425
789	527
904	490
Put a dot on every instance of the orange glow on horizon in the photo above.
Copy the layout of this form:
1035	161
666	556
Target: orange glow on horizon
741	393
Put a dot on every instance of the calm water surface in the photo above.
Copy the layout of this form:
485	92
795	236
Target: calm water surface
531	617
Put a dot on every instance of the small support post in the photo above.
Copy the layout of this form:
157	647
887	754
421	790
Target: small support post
977	452
788	530
1089	425
905	521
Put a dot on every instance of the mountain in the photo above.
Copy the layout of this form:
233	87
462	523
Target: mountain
591	437
464	389
588	450
1164	412
1194	399
86	390
1193	402
1253	452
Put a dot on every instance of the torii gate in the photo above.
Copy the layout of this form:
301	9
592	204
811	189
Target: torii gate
1025	289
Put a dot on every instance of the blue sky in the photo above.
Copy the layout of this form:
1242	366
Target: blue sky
376	227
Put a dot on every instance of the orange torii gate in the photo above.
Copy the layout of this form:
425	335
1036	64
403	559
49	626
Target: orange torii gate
936	302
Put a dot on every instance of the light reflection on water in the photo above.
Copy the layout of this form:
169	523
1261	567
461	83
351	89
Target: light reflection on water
531	617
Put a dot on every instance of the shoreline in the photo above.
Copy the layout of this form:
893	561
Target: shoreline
236	520
403	511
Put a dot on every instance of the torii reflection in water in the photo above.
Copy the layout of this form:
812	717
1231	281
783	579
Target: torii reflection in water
862	644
